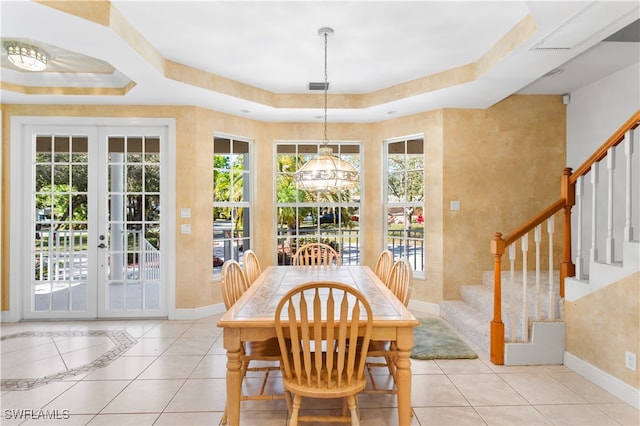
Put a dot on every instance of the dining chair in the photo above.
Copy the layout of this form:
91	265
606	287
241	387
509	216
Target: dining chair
325	329
234	284
383	265
252	267
400	282
316	254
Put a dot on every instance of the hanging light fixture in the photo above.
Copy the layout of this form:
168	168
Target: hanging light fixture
326	172
26	56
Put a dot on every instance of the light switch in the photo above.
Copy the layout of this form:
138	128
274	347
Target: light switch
185	228
185	213
454	206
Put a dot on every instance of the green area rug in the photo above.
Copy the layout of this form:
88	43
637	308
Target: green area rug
433	339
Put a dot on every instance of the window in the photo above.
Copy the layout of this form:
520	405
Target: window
231	199
404	173
304	217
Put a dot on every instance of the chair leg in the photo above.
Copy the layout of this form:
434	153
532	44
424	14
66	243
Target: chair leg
293	421
355	419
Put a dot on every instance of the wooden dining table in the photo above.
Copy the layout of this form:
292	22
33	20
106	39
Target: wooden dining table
252	318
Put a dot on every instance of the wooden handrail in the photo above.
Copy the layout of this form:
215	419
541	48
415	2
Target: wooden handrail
614	140
535	221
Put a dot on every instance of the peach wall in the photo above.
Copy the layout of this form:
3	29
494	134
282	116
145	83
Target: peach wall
504	166
523	134
603	325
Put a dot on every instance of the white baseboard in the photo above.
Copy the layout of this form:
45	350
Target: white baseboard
426	307
197	313
611	384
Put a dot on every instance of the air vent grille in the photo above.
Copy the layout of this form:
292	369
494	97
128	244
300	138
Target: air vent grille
318	86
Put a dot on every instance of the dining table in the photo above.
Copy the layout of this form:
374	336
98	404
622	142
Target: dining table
252	318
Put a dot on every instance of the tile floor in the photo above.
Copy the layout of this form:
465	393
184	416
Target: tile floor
158	372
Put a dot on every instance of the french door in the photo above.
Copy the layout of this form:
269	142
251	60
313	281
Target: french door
95	229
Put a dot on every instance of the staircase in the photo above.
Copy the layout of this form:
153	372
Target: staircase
471	315
516	314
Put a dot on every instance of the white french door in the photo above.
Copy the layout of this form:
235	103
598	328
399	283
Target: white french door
94	228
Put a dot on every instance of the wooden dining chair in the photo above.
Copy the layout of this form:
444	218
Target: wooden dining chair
316	254
325	329
383	353
234	284
252	267
383	265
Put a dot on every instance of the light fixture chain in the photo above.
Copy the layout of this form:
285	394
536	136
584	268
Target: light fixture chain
326	87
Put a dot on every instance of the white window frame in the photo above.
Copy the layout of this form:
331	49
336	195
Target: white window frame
247	205
406	238
341	235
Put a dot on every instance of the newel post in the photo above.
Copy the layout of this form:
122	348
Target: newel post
497	326
568	192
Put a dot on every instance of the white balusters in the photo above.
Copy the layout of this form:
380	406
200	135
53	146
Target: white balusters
593	255
525	308
552	296
512	313
611	160
537	235
628	152
578	211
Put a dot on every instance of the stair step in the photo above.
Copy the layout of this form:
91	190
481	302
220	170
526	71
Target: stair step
479	297
470	322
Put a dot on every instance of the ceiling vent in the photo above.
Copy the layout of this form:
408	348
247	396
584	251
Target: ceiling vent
318	86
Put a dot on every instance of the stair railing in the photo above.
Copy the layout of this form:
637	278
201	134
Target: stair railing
571	187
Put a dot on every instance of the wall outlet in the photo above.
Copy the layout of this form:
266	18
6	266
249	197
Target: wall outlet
630	360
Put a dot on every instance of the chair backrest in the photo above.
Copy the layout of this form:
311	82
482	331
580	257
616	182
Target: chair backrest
383	265
316	254
401	280
234	282
320	318
252	267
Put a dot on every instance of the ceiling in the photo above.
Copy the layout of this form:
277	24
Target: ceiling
255	59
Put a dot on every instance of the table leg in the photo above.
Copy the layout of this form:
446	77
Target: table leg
233	346
403	373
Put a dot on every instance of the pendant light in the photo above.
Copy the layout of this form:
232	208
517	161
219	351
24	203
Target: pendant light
326	172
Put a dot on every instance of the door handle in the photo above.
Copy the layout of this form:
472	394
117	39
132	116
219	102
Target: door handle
102	245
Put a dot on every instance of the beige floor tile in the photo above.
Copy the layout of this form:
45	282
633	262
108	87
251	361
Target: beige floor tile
191	419
622	413
217	348
60	419
124	419
16	344
122	368
171	367
583	387
462	366
210	367
35	398
264	418
444	416
486	389
205	329
425	366
575	414
524	415
144	396
150	346
88	397
541	388
199	395
66	344
190	346
81	357
168	329
29	354
382	417
435	391
32	369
